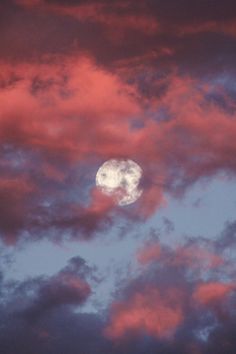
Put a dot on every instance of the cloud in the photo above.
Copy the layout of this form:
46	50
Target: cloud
192	40
179	290
38	297
51	126
149	17
164	307
14	195
62	290
146	312
62	120
228	237
193	255
212	292
85	81
149	253
198	40
113	17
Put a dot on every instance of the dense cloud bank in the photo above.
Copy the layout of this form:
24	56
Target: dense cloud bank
62	126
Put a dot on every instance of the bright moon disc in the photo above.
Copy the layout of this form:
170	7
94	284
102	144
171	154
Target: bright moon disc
120	180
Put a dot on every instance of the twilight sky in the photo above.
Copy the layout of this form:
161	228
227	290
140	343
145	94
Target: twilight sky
85	81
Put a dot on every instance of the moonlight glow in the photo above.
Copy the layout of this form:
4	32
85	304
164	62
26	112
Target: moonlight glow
120	179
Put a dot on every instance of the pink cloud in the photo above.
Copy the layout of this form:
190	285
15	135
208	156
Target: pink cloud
66	121
190	256
164	295
211	292
197	257
68	111
146	311
150	253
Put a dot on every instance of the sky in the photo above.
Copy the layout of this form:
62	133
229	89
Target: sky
84	82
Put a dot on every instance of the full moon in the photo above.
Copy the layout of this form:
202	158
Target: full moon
120	180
